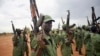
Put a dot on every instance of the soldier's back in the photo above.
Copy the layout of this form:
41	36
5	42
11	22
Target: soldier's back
96	43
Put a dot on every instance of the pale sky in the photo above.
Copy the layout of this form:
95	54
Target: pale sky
19	12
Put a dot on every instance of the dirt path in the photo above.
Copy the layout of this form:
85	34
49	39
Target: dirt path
6	47
75	53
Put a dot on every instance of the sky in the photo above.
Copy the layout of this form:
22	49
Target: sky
19	12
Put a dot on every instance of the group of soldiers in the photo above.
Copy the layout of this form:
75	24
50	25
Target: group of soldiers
45	41
42	43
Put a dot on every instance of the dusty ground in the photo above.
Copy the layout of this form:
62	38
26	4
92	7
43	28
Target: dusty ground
6	47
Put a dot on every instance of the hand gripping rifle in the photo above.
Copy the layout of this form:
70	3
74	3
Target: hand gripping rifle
15	40
68	28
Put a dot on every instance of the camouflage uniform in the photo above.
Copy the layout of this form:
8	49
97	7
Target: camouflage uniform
27	41
62	40
88	44
79	40
50	46
65	48
19	49
96	43
50	49
34	45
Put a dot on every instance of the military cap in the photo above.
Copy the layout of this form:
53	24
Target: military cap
64	26
27	30
48	18
18	31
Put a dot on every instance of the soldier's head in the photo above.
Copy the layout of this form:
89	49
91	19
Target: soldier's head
18	32
84	27
47	23
26	30
94	29
64	27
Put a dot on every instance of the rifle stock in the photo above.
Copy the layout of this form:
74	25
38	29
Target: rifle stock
68	28
67	21
93	16
34	20
34	11
34	2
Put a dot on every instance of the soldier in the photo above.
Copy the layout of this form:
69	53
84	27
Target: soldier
88	41
18	40
79	40
65	42
44	44
27	46
89	48
95	40
76	35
